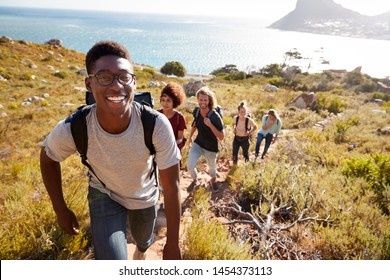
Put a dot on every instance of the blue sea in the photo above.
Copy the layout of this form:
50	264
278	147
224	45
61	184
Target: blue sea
201	44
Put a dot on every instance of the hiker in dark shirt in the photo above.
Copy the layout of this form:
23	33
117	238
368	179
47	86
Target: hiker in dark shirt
120	188
243	128
209	125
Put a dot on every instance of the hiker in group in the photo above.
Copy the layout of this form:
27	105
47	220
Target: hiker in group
243	128
209	124
121	187
172	96
271	125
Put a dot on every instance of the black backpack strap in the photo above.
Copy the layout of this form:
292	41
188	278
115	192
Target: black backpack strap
246	124
148	118
78	127
195	113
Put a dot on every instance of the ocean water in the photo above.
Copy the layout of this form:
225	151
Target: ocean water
201	44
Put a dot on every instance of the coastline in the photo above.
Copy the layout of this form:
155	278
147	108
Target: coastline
188	76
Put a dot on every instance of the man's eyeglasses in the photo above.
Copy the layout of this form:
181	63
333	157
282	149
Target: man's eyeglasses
106	79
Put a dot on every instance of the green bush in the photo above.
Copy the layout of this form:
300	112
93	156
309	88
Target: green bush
227	69
173	68
376	172
272	70
332	103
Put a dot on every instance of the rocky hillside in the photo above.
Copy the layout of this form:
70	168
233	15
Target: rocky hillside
328	17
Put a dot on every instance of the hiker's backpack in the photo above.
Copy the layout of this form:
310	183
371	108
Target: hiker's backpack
218	109
247	127
266	119
78	125
246	123
143	97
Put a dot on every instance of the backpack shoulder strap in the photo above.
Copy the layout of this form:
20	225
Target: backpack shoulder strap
195	113
246	123
236	120
148	118
78	128
210	113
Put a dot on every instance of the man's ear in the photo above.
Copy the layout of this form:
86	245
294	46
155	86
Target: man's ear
88	84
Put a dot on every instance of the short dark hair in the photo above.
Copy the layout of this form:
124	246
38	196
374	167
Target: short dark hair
103	48
175	92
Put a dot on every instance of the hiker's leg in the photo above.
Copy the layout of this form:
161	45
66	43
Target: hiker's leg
108	226
193	156
142	223
211	159
268	141
245	149
236	147
258	142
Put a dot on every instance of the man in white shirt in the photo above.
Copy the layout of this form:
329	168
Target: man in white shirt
120	158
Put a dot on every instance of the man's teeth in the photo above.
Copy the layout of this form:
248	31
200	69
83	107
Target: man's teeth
116	98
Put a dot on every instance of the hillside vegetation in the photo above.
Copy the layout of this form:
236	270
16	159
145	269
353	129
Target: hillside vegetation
323	193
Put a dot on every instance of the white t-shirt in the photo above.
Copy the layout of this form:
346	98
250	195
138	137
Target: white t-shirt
122	161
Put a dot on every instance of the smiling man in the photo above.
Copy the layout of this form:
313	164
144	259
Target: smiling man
210	127
120	158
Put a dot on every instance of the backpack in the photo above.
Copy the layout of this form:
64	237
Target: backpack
218	109
246	123
247	128
266	119
78	126
143	97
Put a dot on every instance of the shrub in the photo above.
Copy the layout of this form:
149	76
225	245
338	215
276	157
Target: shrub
227	69
173	68
332	103
235	76
207	239
376	171
272	70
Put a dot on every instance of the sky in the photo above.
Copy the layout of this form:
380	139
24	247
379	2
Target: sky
267	9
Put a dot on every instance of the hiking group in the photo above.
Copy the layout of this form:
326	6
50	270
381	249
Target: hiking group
128	145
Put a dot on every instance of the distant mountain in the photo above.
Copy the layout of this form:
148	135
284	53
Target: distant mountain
328	17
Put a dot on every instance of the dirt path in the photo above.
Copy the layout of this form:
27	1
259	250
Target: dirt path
155	250
223	167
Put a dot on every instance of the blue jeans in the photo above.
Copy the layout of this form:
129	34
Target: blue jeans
268	140
108	226
195	153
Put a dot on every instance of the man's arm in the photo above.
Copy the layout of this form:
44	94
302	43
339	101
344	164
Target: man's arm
170	180
192	131
51	175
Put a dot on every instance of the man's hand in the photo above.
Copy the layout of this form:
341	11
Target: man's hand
170	181
207	122
68	222
171	252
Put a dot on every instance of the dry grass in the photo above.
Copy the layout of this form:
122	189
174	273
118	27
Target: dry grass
28	226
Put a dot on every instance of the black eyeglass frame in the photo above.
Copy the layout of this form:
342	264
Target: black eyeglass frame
114	76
